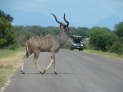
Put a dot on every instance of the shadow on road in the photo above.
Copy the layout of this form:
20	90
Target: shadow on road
46	73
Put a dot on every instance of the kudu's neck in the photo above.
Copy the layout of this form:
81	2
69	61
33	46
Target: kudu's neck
62	37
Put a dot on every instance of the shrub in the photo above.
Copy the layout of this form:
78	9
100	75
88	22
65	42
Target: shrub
101	38
12	47
2	41
121	39
117	47
7	36
67	45
119	29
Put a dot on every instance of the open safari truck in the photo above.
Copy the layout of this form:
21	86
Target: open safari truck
77	43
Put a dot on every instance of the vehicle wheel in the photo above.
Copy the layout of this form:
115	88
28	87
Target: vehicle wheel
71	49
80	49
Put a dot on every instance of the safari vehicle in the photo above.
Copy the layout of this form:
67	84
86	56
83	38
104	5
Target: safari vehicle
77	43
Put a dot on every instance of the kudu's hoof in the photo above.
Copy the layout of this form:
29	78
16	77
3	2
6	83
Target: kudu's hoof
55	72
43	72
22	72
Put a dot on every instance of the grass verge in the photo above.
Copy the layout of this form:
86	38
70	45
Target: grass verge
9	63
107	54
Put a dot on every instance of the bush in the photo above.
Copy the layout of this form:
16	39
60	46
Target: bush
67	45
121	39
119	29
2	41
7	36
12	47
22	37
101	38
117	47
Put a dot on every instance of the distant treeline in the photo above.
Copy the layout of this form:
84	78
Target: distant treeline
23	33
99	38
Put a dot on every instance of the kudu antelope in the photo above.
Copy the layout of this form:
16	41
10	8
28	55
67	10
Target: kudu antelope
48	43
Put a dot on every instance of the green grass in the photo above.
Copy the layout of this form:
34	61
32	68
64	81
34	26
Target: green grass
8	53
9	63
107	54
5	73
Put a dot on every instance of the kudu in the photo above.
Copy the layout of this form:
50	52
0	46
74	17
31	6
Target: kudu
48	43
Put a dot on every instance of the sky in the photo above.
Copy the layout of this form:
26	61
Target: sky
80	13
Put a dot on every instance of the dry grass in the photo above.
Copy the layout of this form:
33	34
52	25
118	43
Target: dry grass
9	62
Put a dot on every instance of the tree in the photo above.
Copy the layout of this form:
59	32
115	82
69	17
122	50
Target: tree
81	31
119	29
22	37
7	36
6	16
117	47
101	38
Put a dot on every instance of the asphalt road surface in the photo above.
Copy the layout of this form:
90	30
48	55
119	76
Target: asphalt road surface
77	72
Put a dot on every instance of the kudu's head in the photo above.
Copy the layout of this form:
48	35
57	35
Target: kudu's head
64	27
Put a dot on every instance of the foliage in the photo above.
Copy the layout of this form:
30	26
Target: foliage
121	39
119	29
81	31
42	31
7	36
101	38
12	46
67	45
6	16
38	30
23	33
117	47
22	37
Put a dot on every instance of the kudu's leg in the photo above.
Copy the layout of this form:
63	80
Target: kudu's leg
28	53
54	65
51	62
36	62
23	63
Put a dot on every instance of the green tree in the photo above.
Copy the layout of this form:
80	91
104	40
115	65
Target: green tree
7	36
22	37
101	38
119	29
81	31
6	16
117	47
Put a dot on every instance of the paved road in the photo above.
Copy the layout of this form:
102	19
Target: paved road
78	72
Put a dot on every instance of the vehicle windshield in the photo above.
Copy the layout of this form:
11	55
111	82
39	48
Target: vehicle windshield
77	39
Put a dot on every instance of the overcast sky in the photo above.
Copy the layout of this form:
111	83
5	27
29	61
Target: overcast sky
83	13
